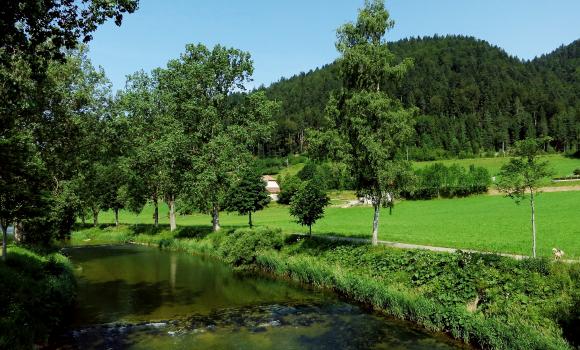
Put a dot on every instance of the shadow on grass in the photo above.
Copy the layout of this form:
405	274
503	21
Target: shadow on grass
344	235
317	244
197	232
575	155
80	226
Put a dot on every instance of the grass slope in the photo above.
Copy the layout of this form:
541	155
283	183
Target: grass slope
487	223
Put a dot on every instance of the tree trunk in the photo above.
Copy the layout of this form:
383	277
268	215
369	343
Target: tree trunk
116	216
533	223
377	208
172	223
250	219
215	218
156	212
4	239
95	217
18	232
83	219
310	230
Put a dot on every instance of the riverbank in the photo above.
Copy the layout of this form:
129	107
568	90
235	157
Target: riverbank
482	223
485	300
37	292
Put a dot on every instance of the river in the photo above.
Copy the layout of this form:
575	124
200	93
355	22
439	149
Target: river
133	297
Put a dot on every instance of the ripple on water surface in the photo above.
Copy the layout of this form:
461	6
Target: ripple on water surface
142	298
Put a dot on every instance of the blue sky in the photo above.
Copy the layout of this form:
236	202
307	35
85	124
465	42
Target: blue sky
286	37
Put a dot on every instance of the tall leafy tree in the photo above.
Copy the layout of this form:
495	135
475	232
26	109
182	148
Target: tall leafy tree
523	175
248	195
373	126
198	87
44	101
308	203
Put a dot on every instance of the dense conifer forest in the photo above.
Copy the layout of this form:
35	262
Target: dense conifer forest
473	98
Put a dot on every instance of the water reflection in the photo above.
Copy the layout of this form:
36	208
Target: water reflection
143	298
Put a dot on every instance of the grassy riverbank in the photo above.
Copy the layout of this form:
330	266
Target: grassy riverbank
485	300
484	223
36	292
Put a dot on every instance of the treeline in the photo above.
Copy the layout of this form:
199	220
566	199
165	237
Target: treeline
473	98
433	181
70	149
438	180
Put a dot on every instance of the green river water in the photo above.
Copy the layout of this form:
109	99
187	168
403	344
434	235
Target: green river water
133	297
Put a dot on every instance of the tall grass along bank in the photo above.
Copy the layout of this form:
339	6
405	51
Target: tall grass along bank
488	301
37	293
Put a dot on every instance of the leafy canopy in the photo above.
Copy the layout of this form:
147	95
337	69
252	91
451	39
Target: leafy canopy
526	172
308	203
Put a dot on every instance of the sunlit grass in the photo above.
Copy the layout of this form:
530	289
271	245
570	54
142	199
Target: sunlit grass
489	223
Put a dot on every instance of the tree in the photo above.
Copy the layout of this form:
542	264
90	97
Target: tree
288	187
373	126
22	190
525	174
214	172
308	204
44	28
221	132
249	194
46	93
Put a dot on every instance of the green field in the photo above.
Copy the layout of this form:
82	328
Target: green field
488	223
562	165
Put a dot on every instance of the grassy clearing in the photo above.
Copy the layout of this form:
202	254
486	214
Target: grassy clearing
487	223
562	165
36	290
484	300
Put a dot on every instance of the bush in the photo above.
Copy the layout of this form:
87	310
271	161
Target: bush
288	187
577	171
241	246
37	292
438	180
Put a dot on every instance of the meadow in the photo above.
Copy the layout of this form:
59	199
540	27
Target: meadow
561	164
485	223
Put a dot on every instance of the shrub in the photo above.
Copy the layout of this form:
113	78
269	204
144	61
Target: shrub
288	187
37	292
241	246
438	180
577	171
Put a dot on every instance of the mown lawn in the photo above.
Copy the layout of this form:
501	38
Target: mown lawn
488	223
562	165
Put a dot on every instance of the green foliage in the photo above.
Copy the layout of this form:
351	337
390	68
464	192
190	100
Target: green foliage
242	246
577	171
308	203
465	108
288	188
372	125
438	180
37	293
486	300
248	195
308	172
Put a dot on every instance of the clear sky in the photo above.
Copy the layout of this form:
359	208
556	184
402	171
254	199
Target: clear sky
286	37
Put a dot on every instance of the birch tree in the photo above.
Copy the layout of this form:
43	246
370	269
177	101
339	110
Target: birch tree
522	176
373	126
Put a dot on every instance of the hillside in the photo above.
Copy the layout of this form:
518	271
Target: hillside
473	97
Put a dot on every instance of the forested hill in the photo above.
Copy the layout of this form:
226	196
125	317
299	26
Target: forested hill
473	97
